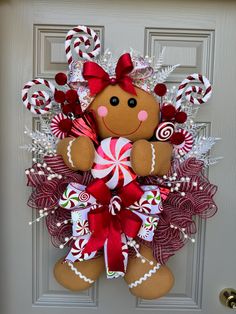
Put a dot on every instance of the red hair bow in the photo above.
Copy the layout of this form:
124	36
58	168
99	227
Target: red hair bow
98	79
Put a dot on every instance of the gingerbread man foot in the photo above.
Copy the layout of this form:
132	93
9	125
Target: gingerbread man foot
148	281
78	276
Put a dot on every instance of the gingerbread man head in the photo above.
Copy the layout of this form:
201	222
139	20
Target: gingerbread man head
121	114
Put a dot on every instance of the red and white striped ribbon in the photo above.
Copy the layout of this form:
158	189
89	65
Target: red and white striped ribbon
82	39
187	92
40	101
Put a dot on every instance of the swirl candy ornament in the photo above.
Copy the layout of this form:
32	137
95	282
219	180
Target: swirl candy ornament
189	91
55	126
187	144
112	162
40	102
82	39
164	131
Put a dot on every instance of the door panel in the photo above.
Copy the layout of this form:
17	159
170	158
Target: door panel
197	35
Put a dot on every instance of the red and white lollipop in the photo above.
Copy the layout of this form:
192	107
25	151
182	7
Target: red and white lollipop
164	131
112	162
186	145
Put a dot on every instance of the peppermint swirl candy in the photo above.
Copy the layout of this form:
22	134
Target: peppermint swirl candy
82	40
40	101
77	249
151	223
188	93
164	131
112	162
82	227
69	199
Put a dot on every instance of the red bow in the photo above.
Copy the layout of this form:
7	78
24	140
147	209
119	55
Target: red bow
98	79
105	226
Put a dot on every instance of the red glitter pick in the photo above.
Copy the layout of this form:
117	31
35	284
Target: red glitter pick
160	89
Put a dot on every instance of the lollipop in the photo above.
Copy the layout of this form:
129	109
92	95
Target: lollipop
188	93
112	162
82	39
186	145
164	131
40	101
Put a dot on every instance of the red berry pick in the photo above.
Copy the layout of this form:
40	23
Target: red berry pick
59	96
168	112
181	117
160	89
71	96
61	78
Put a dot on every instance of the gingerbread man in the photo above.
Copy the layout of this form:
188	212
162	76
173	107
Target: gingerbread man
134	117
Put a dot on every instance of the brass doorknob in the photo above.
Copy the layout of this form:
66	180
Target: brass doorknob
228	298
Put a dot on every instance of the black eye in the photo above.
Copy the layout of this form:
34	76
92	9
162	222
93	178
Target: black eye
114	101
132	102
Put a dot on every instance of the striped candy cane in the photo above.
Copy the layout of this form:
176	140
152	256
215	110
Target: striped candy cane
40	101
189	91
83	39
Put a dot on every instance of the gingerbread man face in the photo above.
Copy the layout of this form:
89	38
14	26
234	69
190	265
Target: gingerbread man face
120	114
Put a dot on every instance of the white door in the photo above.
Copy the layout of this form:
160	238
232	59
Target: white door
200	35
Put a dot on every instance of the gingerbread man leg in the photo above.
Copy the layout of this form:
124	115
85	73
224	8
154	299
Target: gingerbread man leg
148	281
78	276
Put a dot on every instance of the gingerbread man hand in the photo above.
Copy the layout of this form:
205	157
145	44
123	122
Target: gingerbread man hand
77	153
151	158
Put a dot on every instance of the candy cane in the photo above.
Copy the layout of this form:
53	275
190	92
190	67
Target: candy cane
34	104
83	39
188	93
39	98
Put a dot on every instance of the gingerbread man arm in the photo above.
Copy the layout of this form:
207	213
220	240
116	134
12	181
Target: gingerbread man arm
151	158
77	153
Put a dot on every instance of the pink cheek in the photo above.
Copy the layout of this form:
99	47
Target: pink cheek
142	115
102	111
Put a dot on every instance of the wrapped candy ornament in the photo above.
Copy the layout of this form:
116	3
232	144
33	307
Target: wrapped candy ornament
118	160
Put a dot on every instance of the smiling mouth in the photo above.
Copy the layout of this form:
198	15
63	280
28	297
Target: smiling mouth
121	134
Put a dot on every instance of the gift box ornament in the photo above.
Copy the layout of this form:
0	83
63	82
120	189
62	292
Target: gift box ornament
119	165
